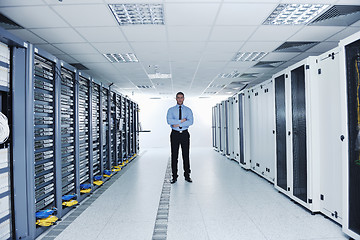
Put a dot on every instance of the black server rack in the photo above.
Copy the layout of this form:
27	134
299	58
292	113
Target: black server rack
132	129
105	131
84	131
67	111
123	129
280	113
137	130
118	130
113	145
44	132
352	53
96	140
127	128
299	133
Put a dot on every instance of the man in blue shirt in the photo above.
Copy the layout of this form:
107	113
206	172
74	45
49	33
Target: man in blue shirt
180	118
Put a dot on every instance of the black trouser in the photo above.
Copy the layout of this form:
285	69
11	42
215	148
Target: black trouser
183	139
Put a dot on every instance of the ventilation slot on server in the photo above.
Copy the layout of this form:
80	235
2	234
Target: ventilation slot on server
44	133
96	129
67	131
84	135
105	105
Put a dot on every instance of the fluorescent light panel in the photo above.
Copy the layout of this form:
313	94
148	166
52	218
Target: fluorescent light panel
137	13
294	14
248	56
121	57
159	76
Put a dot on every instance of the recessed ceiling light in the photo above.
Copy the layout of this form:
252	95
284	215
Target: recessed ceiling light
233	74
248	56
121	57
136	13
294	14
159	76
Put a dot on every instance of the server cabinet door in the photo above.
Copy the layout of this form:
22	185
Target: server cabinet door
280	113
299	133
241	128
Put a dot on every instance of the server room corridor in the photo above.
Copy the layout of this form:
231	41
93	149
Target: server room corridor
223	202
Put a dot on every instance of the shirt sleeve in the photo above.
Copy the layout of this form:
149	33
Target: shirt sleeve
189	119
170	118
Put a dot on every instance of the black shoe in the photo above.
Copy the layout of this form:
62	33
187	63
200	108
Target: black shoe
188	179
173	181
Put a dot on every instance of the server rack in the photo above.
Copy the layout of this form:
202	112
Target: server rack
118	130
349	68
84	133
113	145
223	121
245	114
127	127
68	130
213	126
44	137
5	167
96	130
261	130
301	179
235	129
123	130
330	130
106	161
217	127
137	130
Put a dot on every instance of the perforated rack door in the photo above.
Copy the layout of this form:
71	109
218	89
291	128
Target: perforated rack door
105	131
96	129
44	122
84	148
123	129
67	98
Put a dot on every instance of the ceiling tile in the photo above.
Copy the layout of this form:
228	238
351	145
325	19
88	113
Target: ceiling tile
49	48
241	65
186	56
231	33
84	15
34	17
181	47
10	3
211	56
190	14
244	13
113	47
323	47
151	66
102	34
66	58
76	48
223	47
344	34
315	33
145	33
55	2
149	57
26	35
357	24
188	33
59	35
312	1
90	58
274	33
260	46
150	47
279	56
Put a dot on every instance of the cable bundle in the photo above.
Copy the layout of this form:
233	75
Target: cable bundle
4	128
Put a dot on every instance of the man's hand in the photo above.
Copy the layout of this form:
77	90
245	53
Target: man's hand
183	120
176	125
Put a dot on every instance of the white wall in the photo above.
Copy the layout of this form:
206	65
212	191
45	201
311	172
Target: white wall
152	117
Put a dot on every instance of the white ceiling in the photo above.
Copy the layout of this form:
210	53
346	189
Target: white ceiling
196	43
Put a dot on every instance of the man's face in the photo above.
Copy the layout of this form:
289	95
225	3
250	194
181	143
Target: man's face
179	99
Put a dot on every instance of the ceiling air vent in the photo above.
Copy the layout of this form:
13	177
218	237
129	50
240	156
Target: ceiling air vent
144	86
210	93
295	46
233	74
217	86
7	23
268	64
248	56
121	57
338	15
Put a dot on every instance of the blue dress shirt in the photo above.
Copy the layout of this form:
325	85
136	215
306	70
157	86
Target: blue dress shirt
173	117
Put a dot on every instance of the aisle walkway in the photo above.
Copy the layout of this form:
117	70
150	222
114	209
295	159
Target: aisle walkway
224	202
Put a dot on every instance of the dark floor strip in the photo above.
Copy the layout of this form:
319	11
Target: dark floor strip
161	222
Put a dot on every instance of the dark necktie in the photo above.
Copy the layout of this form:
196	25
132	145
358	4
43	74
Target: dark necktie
180	115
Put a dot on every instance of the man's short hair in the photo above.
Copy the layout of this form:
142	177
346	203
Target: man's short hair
179	93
